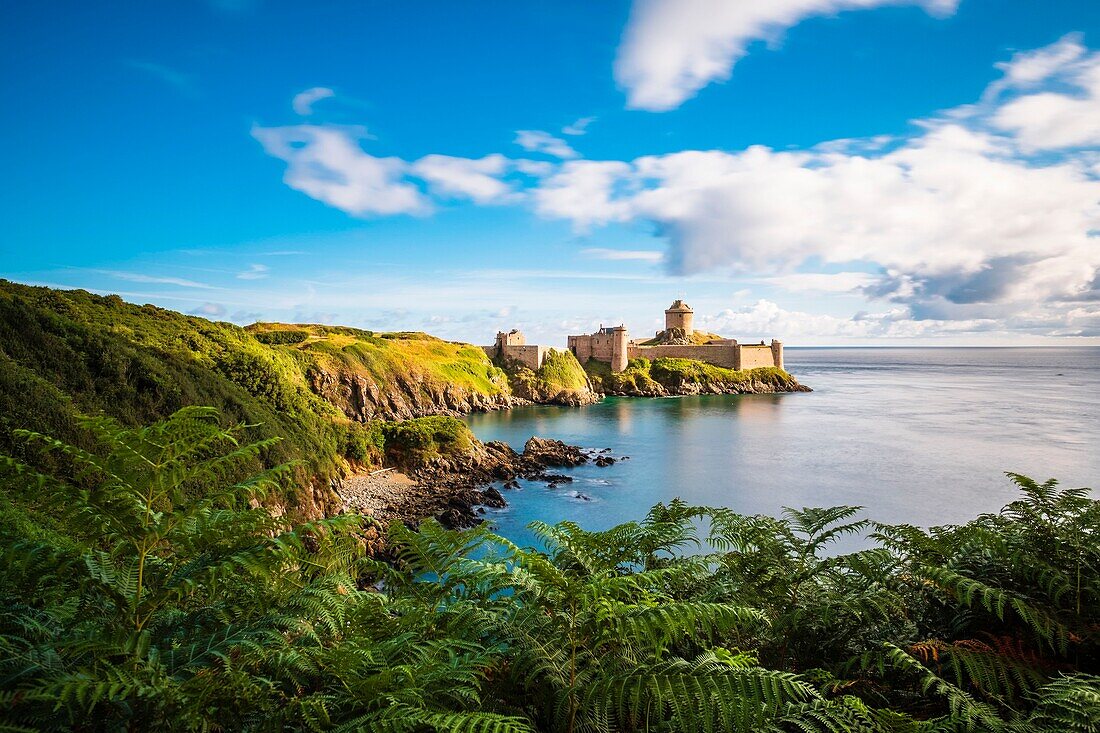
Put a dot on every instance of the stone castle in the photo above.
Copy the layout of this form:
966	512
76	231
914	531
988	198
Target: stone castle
614	346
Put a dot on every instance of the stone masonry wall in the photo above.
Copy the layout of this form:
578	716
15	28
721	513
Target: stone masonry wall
753	356
528	355
723	355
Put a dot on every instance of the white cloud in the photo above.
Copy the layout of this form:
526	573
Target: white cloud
254	272
765	319
957	223
583	190
673	48
328	164
534	168
210	310
1031	67
642	255
580	127
303	101
538	141
1052	120
478	180
820	282
946	216
137	277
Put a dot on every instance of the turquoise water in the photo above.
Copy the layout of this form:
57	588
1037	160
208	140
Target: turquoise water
914	435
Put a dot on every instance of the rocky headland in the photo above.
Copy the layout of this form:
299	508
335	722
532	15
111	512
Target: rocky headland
667	377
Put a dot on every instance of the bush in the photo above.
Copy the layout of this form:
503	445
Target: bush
364	443
415	443
281	338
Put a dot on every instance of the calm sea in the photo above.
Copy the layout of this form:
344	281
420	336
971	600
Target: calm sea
912	434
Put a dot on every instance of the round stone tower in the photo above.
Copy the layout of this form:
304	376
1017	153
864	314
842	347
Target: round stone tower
620	349
680	315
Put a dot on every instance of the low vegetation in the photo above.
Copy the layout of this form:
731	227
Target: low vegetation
415	443
429	364
142	587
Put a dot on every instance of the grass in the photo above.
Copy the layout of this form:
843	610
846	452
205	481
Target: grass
385	357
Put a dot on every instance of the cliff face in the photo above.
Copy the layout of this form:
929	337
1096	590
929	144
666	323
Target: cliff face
404	396
391	376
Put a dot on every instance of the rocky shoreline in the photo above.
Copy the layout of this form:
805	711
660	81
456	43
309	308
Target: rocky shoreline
686	389
455	489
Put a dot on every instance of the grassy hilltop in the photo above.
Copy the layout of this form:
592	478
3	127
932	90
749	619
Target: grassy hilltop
322	390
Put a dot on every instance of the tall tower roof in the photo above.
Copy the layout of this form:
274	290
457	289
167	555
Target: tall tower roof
679	306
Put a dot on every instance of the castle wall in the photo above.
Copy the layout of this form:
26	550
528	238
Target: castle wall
754	355
610	347
530	356
723	355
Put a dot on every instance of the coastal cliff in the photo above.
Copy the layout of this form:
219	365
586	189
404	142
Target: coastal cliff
390	376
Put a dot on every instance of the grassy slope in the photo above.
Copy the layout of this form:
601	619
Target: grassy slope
63	353
69	352
384	357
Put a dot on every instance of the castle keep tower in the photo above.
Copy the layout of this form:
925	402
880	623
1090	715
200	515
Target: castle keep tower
680	315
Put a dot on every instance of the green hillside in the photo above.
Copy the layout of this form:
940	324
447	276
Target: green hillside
370	375
64	353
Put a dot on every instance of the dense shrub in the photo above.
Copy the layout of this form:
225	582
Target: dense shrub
415	443
364	443
281	338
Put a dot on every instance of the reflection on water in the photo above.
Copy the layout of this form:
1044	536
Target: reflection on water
914	435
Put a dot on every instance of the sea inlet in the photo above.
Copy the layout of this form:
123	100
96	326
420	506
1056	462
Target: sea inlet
915	435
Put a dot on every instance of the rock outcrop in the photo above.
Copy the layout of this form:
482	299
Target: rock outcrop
363	399
452	488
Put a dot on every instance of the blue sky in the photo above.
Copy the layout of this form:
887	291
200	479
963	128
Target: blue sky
821	171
